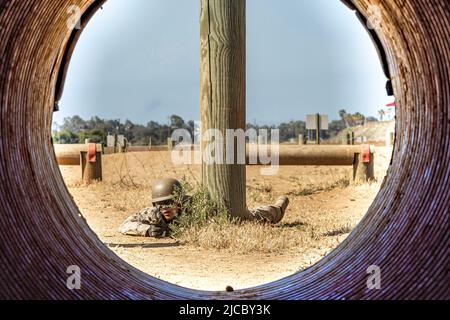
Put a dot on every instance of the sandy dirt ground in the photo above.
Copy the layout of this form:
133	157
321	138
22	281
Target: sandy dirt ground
321	210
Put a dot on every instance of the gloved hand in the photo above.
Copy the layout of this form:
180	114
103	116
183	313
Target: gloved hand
158	228
156	231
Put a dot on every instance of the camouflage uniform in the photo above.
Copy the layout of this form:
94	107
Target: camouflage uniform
148	222
266	214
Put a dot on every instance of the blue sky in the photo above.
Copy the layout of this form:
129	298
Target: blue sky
139	60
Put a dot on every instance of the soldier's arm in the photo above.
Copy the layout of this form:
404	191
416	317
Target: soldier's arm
147	223
133	226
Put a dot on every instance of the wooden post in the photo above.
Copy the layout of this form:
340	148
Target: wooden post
351	138
222	92
363	170
91	171
116	141
318	129
389	138
301	141
169	144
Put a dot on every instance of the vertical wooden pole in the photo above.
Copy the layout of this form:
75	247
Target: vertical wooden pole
223	86
318	129
364	172
116	141
351	138
91	171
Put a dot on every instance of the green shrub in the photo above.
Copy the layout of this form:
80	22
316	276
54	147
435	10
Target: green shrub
198	210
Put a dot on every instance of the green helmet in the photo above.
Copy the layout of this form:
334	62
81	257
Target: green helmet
164	189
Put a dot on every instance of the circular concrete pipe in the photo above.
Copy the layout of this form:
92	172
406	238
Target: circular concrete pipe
405	231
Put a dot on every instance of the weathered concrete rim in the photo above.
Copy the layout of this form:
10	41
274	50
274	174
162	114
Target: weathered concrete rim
405	231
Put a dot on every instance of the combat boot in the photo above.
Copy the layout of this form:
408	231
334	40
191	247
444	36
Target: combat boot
282	202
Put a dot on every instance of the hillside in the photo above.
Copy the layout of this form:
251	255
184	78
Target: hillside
373	131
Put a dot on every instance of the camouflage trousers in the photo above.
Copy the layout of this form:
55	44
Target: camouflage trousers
270	214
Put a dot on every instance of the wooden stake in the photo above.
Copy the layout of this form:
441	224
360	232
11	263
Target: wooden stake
91	171
318	129
223	86
363	172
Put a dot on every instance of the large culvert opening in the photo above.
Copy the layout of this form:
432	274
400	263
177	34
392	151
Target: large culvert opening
326	203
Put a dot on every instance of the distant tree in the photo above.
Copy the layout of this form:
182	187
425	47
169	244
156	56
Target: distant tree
141	136
113	126
371	119
356	119
343	116
94	135
191	128
176	122
73	124
65	137
155	132
291	130
334	128
76	130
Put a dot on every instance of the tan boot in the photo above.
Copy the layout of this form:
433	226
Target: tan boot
282	202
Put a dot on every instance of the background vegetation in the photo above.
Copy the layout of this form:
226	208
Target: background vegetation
76	130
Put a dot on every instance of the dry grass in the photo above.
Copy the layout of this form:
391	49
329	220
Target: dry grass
250	237
126	189
302	230
213	256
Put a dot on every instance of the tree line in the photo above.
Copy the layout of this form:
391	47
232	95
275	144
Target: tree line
76	130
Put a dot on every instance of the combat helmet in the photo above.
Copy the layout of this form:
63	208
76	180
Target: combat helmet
164	189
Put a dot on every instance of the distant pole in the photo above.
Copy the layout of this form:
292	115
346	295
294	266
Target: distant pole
116	142
318	129
363	165
301	140
350	138
169	121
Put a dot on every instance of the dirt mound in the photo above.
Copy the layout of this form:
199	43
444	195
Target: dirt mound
372	132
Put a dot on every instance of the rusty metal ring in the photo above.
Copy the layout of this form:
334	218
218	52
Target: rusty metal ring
405	231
